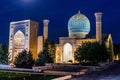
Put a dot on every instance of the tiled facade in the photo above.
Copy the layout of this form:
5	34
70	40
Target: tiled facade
23	36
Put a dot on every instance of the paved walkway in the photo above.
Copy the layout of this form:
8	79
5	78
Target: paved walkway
110	74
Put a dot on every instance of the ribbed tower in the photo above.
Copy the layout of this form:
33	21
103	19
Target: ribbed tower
45	22
98	16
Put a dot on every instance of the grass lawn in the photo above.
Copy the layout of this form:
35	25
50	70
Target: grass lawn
23	76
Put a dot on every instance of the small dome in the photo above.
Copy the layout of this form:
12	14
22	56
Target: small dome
78	26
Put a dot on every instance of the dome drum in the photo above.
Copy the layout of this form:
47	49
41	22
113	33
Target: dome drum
78	34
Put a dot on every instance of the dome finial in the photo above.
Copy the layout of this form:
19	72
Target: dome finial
79	11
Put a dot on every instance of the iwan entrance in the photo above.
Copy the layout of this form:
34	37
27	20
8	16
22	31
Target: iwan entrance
67	55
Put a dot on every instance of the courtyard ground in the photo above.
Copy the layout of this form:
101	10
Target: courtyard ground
109	74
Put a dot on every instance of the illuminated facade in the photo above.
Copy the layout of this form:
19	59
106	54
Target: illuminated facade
23	36
79	28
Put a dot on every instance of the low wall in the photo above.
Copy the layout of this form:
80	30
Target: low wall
63	78
61	73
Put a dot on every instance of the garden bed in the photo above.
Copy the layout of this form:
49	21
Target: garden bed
24	76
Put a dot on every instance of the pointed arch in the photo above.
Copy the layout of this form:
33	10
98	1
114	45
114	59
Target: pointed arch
67	53
19	38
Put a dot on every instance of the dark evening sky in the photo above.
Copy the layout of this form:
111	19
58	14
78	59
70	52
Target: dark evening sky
59	12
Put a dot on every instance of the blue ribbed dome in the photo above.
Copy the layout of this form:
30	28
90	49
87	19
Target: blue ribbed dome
78	26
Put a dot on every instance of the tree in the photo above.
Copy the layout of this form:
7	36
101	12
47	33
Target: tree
52	50
46	44
3	54
92	52
24	60
43	57
50	46
117	50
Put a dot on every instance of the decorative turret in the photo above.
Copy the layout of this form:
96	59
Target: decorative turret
45	22
98	17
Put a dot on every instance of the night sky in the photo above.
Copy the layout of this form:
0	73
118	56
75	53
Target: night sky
59	12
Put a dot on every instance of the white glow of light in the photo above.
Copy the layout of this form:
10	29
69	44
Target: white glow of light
67	53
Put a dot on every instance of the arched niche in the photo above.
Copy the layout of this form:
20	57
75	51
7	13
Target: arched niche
19	38
67	53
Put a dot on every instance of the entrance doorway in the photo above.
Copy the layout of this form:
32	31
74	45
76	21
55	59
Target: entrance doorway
67	53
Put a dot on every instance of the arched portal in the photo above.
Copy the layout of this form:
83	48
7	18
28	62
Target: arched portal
19	39
67	53
19	42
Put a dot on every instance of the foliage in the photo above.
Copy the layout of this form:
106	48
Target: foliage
46	44
51	47
43	57
116	49
3	54
52	50
24	60
92	53
23	76
47	55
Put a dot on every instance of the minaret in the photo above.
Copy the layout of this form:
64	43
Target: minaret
45	22
98	17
